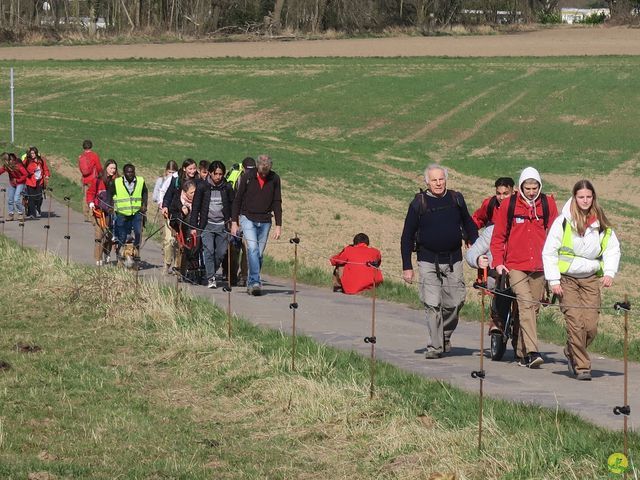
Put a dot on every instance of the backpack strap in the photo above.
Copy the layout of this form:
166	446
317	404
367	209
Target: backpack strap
493	202
510	213
545	210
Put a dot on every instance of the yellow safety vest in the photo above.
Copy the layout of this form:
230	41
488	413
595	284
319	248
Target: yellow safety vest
566	253
126	204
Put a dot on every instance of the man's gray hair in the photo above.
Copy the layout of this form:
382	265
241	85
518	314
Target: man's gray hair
265	160
435	166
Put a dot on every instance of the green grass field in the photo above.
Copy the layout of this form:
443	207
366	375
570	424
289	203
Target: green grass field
351	137
142	385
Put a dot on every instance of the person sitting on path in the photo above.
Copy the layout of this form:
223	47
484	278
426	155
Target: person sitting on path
516	249
11	164
211	215
434	225
356	267
581	256
483	216
258	197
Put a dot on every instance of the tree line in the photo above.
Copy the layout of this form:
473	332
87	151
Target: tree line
210	17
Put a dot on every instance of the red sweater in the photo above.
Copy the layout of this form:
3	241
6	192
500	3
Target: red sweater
357	276
523	249
32	166
17	176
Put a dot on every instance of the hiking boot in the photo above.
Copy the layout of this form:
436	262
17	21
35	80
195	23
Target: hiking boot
10	217
532	360
21	217
432	354
212	283
570	366
242	282
585	376
337	289
256	290
447	346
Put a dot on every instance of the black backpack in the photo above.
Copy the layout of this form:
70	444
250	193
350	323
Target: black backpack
512	208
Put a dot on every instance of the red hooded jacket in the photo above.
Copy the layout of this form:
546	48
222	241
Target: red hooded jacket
523	249
358	276
32	166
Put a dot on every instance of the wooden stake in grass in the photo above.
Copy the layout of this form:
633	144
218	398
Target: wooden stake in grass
372	339
4	208
481	283
47	227
625	410
68	235
228	288
294	304
21	225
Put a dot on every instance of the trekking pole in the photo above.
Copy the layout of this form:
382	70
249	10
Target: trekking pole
4	208
68	235
372	339
294	304
625	409
481	283
178	275
47	227
227	288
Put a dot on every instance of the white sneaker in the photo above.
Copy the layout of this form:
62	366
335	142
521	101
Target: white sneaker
99	263
107	259
212	283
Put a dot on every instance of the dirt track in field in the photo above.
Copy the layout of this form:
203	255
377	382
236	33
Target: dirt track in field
559	41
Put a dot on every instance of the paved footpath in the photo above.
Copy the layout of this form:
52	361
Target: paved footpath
343	321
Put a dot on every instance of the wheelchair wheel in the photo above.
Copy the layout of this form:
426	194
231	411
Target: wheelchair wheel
498	346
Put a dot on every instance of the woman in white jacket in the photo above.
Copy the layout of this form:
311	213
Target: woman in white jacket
581	255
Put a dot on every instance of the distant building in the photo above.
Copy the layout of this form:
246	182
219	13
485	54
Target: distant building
578	15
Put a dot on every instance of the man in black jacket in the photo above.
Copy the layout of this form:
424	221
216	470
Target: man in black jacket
438	217
211	213
258	197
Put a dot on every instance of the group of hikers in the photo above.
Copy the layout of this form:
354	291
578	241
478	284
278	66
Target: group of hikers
527	240
216	224
28	181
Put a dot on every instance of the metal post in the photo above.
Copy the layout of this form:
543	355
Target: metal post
47	227
294	304
12	110
68	235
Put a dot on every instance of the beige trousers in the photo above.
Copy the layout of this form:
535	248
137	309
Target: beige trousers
582	323
529	289
170	245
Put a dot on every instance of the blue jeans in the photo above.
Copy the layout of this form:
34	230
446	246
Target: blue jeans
123	226
14	199
255	237
214	246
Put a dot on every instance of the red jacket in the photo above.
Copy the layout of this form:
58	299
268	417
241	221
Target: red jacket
89	165
17	176
523	249
32	166
481	216
357	276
